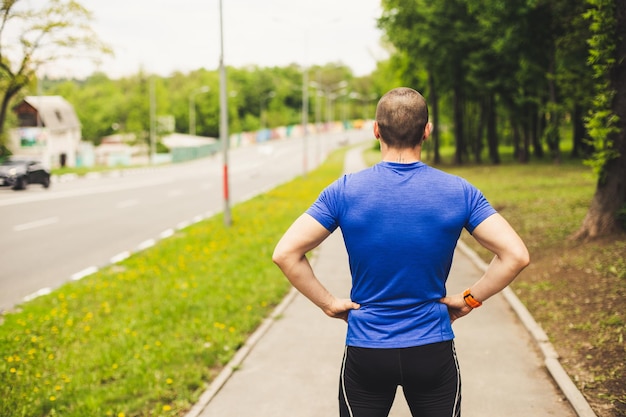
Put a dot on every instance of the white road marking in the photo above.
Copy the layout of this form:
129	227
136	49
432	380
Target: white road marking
146	244
166	233
85	272
120	257
37	223
43	291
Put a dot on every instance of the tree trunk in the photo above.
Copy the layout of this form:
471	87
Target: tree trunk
535	130
579	147
517	139
434	103
492	136
552	135
458	127
610	196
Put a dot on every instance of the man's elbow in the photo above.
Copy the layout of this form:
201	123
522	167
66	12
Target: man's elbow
278	257
283	257
521	258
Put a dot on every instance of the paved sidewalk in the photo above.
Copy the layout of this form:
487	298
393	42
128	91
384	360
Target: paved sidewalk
290	367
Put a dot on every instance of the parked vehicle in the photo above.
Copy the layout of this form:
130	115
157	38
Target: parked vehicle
19	173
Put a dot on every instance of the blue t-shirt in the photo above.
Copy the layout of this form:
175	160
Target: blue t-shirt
400	224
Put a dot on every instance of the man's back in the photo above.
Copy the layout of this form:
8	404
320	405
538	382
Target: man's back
400	223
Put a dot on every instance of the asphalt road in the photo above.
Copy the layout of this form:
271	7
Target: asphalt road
49	237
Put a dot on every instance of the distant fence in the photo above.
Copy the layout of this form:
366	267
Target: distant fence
183	154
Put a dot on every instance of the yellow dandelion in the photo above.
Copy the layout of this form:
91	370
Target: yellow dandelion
121	415
13	370
114	366
53	398
87	328
167	408
51	356
58	388
169	380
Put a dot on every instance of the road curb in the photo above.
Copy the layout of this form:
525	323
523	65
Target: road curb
230	368
550	356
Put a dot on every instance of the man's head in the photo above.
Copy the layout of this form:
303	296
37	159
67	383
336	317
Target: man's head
402	118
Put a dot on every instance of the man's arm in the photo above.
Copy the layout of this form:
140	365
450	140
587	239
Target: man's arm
305	234
511	257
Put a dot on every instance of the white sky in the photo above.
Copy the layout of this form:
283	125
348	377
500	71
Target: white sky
161	36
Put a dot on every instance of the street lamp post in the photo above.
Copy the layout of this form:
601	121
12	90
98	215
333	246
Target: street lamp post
192	107
224	123
333	92
153	131
305	119
330	92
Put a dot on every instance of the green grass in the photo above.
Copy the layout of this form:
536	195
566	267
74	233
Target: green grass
143	337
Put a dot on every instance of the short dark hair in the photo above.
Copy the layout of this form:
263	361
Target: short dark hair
402	115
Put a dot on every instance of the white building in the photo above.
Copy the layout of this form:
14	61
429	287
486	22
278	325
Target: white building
49	130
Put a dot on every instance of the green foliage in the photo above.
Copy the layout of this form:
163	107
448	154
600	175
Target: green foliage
519	64
107	106
32	36
144	336
602	123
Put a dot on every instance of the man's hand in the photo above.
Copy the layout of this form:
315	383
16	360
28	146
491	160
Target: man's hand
340	308
456	306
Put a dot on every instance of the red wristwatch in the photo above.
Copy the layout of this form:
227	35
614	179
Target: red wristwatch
470	300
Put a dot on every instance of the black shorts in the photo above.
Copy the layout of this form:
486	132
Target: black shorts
429	377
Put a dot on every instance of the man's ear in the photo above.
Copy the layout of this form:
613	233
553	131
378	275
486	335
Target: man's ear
428	129
376	131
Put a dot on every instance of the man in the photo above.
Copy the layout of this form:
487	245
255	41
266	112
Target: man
400	220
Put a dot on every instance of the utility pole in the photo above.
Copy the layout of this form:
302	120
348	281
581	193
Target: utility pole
224	123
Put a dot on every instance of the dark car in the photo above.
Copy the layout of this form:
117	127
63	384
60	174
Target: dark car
18	173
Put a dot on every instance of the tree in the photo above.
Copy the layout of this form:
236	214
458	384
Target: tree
607	123
32	38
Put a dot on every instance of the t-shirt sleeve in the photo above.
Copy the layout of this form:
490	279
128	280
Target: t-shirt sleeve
478	206
324	209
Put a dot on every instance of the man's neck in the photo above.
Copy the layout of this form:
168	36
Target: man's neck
402	156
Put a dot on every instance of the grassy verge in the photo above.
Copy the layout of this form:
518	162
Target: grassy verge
143	337
575	290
